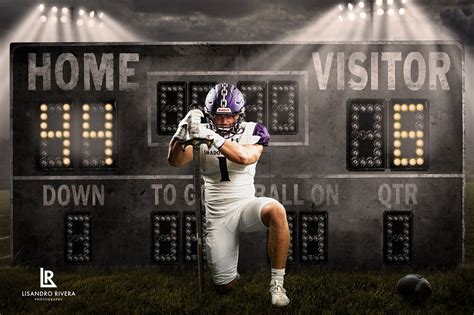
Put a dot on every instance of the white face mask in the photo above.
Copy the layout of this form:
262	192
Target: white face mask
226	126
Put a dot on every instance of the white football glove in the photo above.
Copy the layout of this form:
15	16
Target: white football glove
190	122
194	121
206	133
181	133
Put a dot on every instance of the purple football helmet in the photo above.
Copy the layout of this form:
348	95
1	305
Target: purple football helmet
224	99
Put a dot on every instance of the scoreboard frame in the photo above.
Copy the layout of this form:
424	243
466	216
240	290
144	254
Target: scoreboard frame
305	141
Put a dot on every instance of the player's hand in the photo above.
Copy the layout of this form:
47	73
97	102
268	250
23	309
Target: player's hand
193	119
206	133
190	123
181	133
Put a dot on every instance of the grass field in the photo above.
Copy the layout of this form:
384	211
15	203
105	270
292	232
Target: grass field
312	290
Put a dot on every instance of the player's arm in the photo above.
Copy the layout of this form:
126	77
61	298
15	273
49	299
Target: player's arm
176	155
241	154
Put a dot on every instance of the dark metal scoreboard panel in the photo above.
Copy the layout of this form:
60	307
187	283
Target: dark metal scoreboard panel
366	153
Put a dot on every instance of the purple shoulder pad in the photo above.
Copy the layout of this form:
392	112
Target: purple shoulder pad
262	132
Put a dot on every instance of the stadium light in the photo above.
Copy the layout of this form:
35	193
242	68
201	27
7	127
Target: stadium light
91	14
41	7
64	10
101	15
54	9
81	12
63	19
365	10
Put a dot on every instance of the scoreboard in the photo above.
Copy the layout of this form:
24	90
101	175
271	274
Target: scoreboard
366	150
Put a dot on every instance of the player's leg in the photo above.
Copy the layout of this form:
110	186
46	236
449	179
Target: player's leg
266	213
228	287
222	250
274	216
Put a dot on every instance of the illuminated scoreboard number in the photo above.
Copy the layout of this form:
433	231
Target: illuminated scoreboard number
398	232
171	106
55	136
96	135
409	134
198	92
291	217
78	235
190	237
98	129
283	105
366	135
165	227
255	95
313	227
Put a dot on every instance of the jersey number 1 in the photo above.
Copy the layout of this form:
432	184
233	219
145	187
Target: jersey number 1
223	168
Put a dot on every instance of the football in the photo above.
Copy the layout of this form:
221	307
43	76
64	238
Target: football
414	289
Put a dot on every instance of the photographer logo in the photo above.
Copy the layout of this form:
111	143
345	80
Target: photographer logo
46	281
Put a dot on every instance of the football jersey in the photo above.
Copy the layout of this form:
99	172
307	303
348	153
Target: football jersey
226	181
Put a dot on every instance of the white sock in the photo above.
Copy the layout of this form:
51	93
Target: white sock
277	274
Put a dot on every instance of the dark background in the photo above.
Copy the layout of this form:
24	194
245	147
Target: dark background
242	20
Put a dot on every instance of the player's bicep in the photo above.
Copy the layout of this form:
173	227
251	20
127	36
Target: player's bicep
254	150
188	154
178	157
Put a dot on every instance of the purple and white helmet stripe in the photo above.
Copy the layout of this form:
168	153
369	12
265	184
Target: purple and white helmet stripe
224	99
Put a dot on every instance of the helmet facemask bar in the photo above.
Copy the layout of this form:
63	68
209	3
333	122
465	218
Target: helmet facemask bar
226	130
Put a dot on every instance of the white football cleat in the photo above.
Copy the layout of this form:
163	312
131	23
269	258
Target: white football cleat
279	298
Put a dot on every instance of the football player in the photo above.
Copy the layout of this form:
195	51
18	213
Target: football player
228	170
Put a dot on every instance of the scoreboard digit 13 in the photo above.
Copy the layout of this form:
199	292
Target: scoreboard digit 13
366	150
